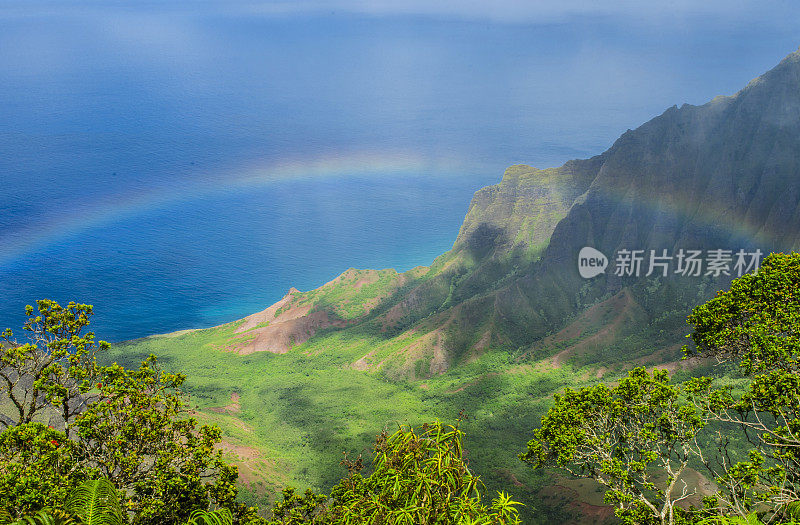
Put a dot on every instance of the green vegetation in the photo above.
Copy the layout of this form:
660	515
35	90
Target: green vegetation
40	467
54	367
355	292
756	325
301	410
96	502
128	426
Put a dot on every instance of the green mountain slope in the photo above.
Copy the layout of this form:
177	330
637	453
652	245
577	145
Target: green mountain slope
503	319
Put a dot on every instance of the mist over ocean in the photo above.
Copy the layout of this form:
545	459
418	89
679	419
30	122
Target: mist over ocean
181	165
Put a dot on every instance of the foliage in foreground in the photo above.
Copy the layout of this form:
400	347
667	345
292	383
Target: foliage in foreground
628	438
96	502
420	477
756	324
130	427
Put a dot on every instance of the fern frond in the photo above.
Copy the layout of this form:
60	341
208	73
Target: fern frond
216	517
96	502
42	517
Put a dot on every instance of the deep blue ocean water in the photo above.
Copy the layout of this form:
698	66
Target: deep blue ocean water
181	165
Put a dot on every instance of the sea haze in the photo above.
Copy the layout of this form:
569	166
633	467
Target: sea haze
181	165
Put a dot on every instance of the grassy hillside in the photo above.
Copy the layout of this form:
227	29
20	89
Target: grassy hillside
287	418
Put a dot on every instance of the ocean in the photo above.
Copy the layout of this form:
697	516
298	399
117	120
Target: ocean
183	164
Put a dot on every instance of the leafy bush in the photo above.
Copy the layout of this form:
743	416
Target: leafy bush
420	477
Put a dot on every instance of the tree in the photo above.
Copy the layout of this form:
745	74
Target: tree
42	517
138	434
53	368
637	439
131	427
756	325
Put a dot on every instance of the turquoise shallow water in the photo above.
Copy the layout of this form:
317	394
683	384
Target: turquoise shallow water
183	166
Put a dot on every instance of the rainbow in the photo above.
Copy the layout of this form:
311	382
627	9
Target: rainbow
17	245
696	211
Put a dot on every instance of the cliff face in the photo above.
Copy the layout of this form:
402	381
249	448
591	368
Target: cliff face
724	175
520	213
